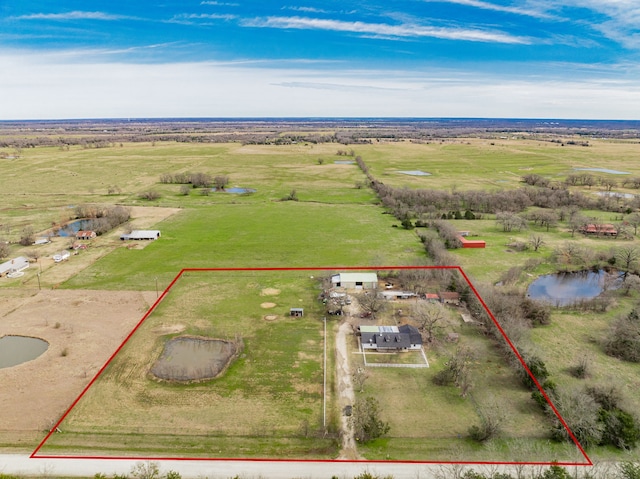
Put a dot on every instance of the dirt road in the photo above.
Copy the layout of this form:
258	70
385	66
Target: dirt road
345	389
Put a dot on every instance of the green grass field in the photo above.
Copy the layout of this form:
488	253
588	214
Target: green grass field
333	224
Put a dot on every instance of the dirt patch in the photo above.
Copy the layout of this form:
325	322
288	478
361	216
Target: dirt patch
269	292
83	329
168	329
193	358
267	305
271	317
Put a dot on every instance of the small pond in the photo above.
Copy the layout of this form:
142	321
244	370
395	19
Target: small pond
613	194
344	162
236	190
16	350
415	173
189	358
563	289
70	229
603	170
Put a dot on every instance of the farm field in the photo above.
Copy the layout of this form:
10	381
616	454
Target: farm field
333	220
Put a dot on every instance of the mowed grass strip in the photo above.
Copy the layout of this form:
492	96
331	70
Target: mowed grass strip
282	234
273	389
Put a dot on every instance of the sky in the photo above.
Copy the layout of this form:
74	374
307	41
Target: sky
308	58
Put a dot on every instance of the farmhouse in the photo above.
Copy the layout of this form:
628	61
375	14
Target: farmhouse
85	235
390	338
14	265
355	280
141	235
599	229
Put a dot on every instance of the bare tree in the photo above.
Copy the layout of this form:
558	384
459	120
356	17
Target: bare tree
628	257
634	220
536	242
429	317
220	182
4	249
28	236
359	377
371	303
510	221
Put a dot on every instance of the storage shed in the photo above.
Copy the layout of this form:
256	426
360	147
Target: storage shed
355	280
141	235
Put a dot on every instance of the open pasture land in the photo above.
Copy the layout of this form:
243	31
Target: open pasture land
483	164
268	403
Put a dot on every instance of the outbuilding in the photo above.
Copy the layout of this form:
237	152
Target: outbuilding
141	235
355	280
296	312
85	235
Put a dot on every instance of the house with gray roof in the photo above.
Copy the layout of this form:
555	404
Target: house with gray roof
390	338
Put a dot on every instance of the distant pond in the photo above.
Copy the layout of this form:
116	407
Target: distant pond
16	350
236	190
70	229
563	289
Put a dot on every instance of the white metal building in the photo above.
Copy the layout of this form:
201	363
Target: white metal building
355	280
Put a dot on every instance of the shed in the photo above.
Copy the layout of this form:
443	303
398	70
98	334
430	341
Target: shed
472	243
296	312
85	235
449	297
13	265
390	295
141	235
355	280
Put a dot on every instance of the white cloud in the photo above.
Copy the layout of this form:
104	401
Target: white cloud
47	87
386	30
220	4
202	16
305	9
75	15
529	12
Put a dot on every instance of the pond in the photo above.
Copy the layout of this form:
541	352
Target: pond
16	350
603	170
70	229
415	173
189	358
344	162
236	190
563	289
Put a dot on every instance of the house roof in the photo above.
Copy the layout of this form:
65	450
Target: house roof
142	234
17	264
354	278
390	337
450	295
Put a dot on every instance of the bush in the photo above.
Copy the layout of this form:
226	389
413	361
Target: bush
150	195
623	341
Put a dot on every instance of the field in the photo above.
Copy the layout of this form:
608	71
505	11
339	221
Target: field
334	220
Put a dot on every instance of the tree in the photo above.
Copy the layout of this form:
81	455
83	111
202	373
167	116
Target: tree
536	242
626	257
220	182
510	221
580	411
4	249
457	371
370	303
146	470
577	221
491	420
634	220
150	195
28	236
359	377
365	420
428	317
548	218
624	338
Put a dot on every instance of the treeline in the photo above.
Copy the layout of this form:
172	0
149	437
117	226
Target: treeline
102	219
197	180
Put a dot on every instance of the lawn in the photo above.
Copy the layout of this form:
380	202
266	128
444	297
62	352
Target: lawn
273	390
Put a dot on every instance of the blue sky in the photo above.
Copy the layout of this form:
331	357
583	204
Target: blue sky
236	58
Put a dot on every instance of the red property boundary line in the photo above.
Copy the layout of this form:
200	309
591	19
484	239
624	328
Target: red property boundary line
35	455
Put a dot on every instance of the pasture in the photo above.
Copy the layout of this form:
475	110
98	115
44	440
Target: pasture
334	222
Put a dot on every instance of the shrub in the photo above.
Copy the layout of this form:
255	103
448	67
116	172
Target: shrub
624	338
150	195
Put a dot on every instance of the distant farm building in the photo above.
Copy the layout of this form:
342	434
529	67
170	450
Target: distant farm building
14	265
85	235
390	338
599	229
471	243
62	256
391	295
141	235
449	297
355	280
